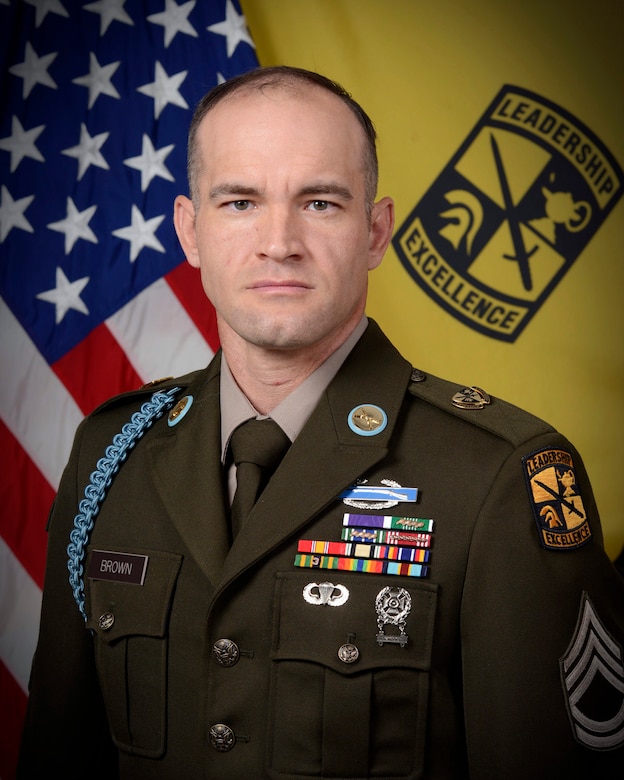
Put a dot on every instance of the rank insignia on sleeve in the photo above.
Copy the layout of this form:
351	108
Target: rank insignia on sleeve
557	505
592	673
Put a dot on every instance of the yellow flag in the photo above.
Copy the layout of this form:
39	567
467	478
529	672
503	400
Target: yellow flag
501	141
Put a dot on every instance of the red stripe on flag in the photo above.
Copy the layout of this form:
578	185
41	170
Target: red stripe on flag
25	498
186	284
96	369
13	712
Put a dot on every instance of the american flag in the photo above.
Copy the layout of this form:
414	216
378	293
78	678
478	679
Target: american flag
95	295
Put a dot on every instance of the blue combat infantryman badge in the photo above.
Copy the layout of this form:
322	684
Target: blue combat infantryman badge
557	505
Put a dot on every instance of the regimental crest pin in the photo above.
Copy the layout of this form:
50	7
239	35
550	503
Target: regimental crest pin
471	398
509	215
593	678
557	505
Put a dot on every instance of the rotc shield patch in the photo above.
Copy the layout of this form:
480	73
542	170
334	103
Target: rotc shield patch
509	215
557	505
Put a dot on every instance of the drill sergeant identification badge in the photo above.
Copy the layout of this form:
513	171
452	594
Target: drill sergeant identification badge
511	212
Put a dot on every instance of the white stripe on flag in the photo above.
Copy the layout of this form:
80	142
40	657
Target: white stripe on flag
34	404
158	336
20	604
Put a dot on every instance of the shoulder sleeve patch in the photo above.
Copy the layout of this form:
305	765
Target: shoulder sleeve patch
592	672
554	495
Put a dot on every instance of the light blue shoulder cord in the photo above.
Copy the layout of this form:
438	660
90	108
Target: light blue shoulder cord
101	479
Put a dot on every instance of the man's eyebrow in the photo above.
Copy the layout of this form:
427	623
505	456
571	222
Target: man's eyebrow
327	188
232	189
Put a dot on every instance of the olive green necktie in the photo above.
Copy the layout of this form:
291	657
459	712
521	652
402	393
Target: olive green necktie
257	446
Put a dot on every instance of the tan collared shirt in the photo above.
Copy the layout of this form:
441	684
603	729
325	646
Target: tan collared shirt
293	412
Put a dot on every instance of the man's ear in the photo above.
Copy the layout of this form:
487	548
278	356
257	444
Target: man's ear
382	224
184	223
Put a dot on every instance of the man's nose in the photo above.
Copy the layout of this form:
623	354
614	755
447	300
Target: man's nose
279	234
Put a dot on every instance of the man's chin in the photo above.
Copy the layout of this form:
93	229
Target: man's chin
286	333
281	341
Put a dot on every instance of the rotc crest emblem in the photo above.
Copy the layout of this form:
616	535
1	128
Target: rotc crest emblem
557	505
509	215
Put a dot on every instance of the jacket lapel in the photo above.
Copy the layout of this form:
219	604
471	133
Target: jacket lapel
187	471
327	456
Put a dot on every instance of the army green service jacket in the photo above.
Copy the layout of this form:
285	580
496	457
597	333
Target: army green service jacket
420	592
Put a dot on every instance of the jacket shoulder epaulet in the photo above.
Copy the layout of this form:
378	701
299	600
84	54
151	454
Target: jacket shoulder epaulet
145	392
475	406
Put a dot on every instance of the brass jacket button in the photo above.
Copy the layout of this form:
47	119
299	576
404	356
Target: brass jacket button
222	737
348	653
225	652
106	621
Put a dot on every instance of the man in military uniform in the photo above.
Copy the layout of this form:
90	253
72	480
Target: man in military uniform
420	591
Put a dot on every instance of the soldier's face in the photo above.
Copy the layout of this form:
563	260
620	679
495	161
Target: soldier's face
281	232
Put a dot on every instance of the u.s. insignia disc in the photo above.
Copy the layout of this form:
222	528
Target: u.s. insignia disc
557	505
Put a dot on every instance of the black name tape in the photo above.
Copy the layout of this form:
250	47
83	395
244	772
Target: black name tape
116	566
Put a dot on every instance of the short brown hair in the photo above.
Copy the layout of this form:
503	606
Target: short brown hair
258	79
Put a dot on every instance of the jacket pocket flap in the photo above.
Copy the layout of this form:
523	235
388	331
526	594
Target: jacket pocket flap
389	623
122	602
